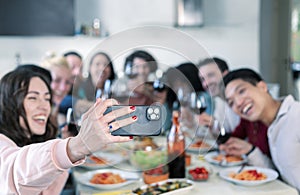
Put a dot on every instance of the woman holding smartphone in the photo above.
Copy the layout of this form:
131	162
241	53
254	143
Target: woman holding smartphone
26	134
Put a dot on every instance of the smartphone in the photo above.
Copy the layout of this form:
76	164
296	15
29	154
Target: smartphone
149	122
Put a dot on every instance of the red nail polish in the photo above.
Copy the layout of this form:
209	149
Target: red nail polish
132	107
131	137
134	117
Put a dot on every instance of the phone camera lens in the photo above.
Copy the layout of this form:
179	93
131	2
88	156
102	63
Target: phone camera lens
150	110
153	116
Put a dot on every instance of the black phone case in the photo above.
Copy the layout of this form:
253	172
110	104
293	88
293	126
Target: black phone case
149	122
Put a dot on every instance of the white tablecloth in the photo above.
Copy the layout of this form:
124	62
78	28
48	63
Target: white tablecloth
213	186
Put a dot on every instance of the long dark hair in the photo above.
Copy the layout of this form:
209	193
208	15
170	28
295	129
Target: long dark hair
143	55
86	89
189	75
110	64
13	89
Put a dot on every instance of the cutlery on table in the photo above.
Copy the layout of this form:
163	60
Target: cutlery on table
241	168
223	161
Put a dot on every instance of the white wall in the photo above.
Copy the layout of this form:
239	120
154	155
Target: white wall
230	31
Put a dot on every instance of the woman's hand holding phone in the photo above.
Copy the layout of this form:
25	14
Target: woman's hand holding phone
150	120
97	127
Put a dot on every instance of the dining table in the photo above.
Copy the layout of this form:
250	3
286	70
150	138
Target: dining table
215	185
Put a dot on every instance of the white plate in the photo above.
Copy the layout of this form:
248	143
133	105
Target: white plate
178	191
86	177
111	159
271	175
209	157
211	143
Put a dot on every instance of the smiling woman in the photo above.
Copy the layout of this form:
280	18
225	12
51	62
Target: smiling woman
100	70
25	101
60	85
20	94
37	106
61	77
27	133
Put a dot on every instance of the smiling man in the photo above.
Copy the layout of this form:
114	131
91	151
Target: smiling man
211	73
247	94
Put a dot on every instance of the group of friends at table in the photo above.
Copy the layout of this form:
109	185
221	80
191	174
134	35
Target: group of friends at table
34	100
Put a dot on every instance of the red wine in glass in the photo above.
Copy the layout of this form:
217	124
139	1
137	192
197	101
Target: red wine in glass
223	137
202	109
73	128
198	102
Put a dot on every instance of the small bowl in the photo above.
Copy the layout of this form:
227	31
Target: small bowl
199	176
148	179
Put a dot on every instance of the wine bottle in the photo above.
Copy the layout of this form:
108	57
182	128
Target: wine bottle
176	146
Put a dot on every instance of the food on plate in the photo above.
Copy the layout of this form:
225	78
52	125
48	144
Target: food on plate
107	178
102	160
200	144
228	158
98	160
248	175
161	188
199	173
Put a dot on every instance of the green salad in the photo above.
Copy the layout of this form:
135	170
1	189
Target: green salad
148	159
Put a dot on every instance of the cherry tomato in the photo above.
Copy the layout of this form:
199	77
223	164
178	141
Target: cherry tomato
199	173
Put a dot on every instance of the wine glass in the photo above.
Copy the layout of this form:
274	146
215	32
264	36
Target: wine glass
71	128
106	92
98	93
221	139
129	71
106	89
198	102
182	96
158	85
223	136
